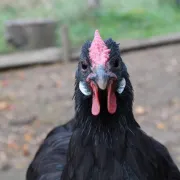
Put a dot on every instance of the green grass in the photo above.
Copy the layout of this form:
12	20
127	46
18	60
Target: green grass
123	19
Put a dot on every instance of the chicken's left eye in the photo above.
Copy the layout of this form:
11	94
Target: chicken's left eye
84	66
116	63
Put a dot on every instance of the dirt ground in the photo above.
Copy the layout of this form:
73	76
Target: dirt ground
34	100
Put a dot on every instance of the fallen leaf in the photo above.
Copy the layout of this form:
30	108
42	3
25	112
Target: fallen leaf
4	83
3	105
13	145
25	150
28	137
11	107
58	84
161	125
139	110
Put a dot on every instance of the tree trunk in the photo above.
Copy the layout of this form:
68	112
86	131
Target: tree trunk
93	4
33	34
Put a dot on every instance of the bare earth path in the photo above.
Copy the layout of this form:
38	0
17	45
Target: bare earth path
34	100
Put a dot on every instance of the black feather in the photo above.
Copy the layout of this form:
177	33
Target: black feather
103	147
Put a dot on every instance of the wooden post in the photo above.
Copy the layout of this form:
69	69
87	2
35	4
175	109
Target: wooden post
66	49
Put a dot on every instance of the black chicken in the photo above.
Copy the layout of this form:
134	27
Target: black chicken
103	141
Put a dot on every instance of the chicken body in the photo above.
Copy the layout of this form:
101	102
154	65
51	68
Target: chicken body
103	141
136	157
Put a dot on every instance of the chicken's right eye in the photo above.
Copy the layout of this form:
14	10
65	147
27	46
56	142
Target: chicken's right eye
84	66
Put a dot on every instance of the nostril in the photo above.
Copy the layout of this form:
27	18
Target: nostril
112	76
91	77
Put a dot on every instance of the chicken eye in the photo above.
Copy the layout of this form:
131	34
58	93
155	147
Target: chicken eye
115	63
84	66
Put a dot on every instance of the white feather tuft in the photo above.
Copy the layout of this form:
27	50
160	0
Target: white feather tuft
121	86
84	89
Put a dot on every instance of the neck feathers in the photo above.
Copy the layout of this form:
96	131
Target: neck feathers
106	123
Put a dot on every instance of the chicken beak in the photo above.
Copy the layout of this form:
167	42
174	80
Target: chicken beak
102	77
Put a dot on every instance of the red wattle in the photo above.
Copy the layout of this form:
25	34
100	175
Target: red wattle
111	100
95	100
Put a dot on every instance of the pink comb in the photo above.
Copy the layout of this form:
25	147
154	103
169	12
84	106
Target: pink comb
98	52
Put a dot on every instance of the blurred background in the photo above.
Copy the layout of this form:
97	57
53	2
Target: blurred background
40	38
119	19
